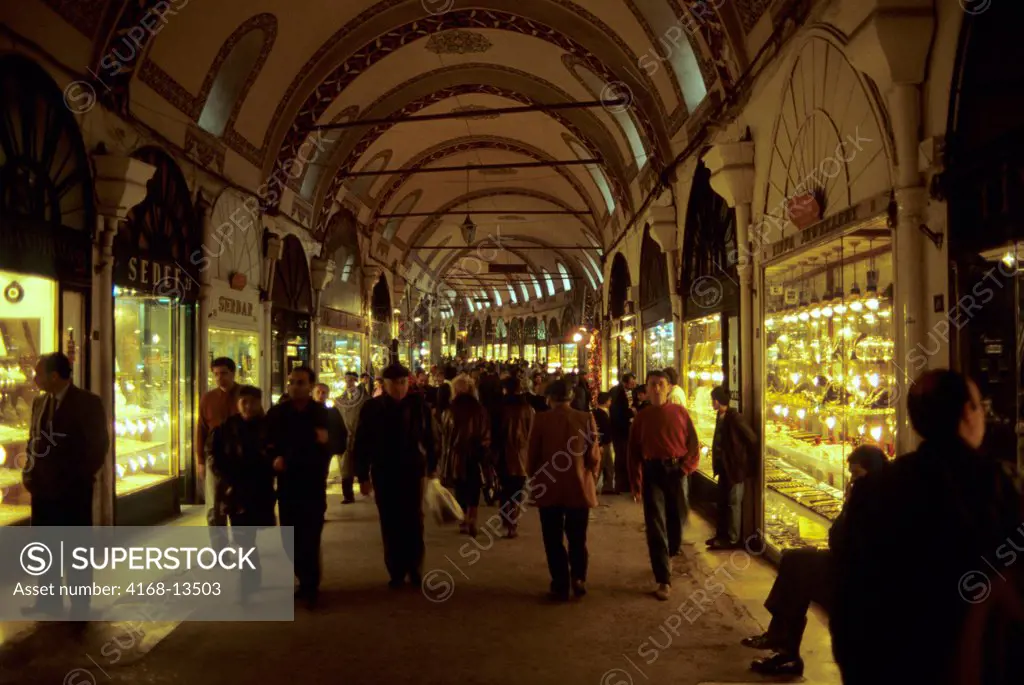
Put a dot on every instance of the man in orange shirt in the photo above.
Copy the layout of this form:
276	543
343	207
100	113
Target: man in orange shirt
214	409
663	452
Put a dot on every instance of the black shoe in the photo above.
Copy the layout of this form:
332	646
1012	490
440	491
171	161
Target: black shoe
711	541
779	664
396	583
558	597
579	588
762	641
312	599
723	545
348	500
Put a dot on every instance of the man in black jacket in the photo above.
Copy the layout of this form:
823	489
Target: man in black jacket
68	442
299	437
394	451
604	427
919	549
731	456
337	433
622	414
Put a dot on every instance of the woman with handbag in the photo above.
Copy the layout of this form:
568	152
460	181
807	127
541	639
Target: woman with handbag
466	441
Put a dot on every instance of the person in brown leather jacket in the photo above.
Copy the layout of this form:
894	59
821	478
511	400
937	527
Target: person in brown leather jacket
466	441
512	444
564	459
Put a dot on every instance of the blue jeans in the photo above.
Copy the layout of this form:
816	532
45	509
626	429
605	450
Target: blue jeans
730	509
666	506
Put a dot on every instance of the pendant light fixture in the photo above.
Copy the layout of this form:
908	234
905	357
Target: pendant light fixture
855	303
872	292
468	228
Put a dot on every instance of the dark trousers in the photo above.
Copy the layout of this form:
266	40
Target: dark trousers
730	509
805	576
666	506
306	515
244	535
400	505
607	476
467	493
513	492
621	446
348	491
559	524
72	509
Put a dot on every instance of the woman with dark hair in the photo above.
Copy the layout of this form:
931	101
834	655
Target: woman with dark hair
805	576
911	549
512	444
466	442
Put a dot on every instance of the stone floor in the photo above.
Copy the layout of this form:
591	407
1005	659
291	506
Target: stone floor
479	618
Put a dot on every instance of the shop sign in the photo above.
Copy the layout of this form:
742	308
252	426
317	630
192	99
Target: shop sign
833	224
42	249
233	307
156	276
334	318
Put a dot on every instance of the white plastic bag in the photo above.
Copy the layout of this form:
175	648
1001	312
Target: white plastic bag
440	503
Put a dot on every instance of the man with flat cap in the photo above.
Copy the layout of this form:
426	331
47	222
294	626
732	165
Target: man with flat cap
394	450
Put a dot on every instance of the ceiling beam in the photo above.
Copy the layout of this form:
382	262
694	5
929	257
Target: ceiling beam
473	167
474	113
518	247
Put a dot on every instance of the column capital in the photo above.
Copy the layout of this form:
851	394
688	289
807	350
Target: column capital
321	270
892	44
120	183
661	216
275	247
732	171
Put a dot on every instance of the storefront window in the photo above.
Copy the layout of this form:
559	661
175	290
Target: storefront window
624	346
701	373
530	352
829	383
379	357
340	352
242	347
28	329
554	357
149	370
290	351
660	346
570	359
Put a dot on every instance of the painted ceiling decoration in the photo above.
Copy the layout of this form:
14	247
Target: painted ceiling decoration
564	171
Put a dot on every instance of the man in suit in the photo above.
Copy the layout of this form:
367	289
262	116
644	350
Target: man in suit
622	413
564	459
68	442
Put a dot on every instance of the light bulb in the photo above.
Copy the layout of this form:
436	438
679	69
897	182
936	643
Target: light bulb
777	409
692	374
768	323
827	312
876	433
872	303
801	413
855	381
840	308
816	313
804	316
862	428
717	377
856	305
785	412
830	422
873	380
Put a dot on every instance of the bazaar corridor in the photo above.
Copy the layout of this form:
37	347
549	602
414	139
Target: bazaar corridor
485	622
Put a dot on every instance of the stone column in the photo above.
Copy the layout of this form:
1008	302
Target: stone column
322	273
204	209
891	46
120	185
371	274
732	177
275	249
665	231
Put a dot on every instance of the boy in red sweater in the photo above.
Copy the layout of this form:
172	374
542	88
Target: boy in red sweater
663	452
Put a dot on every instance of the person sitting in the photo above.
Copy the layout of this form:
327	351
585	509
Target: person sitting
805	576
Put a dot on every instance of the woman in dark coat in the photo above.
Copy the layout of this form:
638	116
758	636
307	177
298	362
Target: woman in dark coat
466	442
246	475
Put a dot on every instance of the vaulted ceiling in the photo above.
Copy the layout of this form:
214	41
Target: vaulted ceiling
253	79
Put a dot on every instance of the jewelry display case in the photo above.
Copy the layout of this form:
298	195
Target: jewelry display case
829	381
701	372
28	329
340	353
660	346
242	347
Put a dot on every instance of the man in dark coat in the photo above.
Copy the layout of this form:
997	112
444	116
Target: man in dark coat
731	452
922	547
337	433
622	414
68	442
298	430
394	452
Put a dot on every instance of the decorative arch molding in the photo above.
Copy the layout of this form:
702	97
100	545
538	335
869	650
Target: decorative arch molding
432	222
534	268
309	181
362	187
468	144
842	123
423	24
475	79
235	248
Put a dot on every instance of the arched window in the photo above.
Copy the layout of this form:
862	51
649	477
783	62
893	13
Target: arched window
512	294
566	281
596	173
526	291
598	88
597	269
406	205
590	278
536	287
679	55
497	298
549	281
469	301
362	185
230	82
